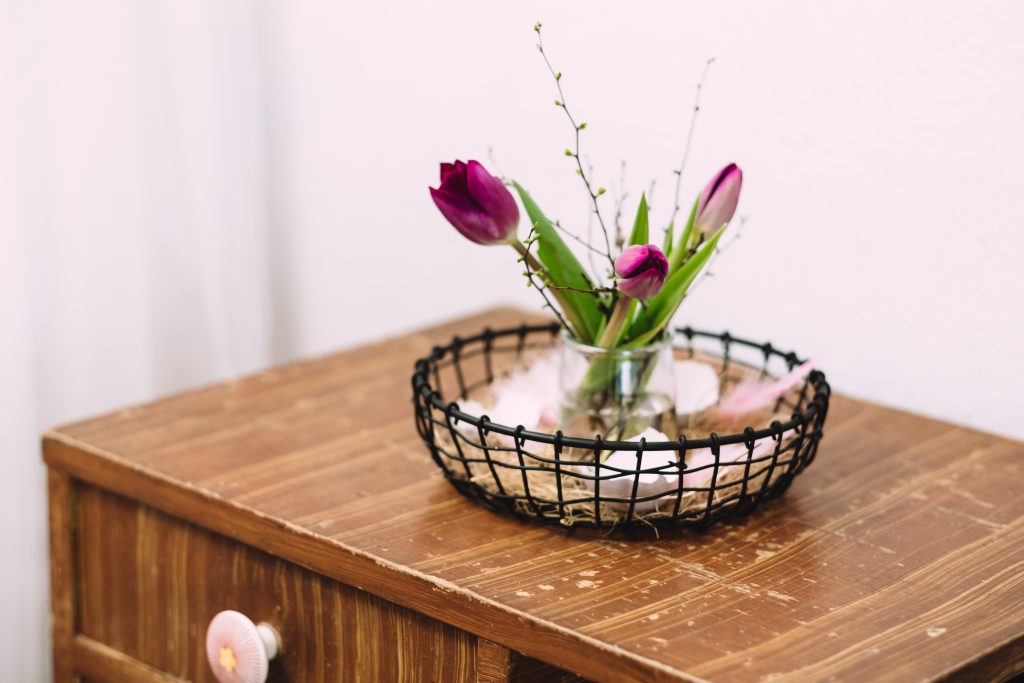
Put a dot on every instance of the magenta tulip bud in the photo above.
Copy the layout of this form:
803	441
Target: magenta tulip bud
718	200
642	271
476	203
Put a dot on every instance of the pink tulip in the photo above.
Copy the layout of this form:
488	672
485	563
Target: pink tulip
642	271
718	200
476	203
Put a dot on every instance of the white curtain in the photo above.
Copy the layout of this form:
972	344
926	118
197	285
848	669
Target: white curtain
135	244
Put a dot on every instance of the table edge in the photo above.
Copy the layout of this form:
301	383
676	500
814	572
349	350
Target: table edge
351	566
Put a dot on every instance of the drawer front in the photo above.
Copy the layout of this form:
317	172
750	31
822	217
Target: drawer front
148	584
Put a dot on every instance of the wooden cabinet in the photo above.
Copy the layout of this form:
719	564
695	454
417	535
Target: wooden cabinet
302	497
149	584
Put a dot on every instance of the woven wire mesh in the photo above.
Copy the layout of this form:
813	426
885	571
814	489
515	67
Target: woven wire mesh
560	478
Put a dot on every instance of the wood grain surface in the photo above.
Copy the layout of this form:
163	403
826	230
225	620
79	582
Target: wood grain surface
101	663
897	556
62	591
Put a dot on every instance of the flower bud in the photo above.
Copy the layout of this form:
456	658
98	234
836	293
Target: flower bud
642	271
476	203
718	200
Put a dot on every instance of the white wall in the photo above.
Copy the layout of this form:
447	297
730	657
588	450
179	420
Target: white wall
881	143
191	191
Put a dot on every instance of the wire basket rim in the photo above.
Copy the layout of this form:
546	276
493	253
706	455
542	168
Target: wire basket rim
422	387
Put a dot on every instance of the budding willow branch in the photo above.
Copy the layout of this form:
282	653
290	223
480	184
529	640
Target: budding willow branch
577	128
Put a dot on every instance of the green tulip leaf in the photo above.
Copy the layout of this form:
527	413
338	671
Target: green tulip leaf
641	226
565	270
680	250
666	245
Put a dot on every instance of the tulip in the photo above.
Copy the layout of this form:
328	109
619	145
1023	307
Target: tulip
642	271
483	210
476	203
718	201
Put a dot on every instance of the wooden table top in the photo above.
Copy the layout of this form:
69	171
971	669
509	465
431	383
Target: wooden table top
898	555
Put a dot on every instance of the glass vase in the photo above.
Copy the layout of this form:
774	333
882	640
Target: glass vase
617	393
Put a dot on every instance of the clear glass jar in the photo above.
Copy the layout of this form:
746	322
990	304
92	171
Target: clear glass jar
617	393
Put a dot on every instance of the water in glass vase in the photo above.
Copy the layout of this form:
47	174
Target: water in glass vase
617	393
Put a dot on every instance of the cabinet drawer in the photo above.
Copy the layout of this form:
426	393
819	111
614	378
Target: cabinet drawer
148	585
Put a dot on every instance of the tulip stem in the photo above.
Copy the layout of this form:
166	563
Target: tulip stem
535	266
616	322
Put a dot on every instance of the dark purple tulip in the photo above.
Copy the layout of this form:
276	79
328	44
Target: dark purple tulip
718	200
642	271
476	203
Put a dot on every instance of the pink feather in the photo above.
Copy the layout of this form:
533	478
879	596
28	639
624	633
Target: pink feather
755	394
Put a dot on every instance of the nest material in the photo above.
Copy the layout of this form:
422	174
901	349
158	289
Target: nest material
575	483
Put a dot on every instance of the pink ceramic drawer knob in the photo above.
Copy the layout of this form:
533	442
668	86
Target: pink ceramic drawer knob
238	650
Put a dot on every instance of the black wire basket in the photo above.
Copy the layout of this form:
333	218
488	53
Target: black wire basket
560	479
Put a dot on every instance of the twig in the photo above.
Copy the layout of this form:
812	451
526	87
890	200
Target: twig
577	127
577	238
620	240
526	258
494	164
591	251
689	138
596	290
